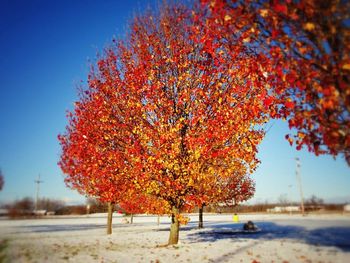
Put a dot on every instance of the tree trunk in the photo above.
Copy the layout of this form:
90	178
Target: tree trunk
200	221
131	218
109	218
158	220
175	227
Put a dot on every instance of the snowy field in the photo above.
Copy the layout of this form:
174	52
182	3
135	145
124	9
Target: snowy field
282	238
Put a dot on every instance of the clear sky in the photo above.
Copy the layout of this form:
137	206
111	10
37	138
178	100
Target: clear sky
46	49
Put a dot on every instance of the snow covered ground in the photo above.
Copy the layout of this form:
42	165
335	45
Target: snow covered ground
281	238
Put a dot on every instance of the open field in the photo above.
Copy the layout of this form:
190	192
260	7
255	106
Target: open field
282	238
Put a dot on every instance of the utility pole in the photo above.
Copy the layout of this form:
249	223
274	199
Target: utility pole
298	175
290	198
38	182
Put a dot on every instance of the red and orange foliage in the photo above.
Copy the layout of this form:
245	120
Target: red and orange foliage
140	203
237	190
201	119
232	189
166	116
307	45
95	143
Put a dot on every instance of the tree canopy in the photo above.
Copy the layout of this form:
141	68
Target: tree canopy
307	46
173	115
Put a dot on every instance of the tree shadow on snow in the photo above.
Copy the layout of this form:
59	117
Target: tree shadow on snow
327	236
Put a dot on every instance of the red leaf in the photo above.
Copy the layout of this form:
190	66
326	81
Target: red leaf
279	8
267	102
289	104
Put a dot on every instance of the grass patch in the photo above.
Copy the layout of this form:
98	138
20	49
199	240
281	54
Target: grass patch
28	255
3	246
65	257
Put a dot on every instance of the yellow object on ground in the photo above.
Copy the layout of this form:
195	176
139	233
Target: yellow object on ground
235	218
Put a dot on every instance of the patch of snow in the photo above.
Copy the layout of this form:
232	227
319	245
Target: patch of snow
291	238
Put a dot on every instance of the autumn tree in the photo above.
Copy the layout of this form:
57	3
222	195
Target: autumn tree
166	114
237	190
200	117
316	72
231	190
307	43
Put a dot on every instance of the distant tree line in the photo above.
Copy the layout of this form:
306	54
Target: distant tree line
24	208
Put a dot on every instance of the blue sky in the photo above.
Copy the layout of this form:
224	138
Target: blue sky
46	50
